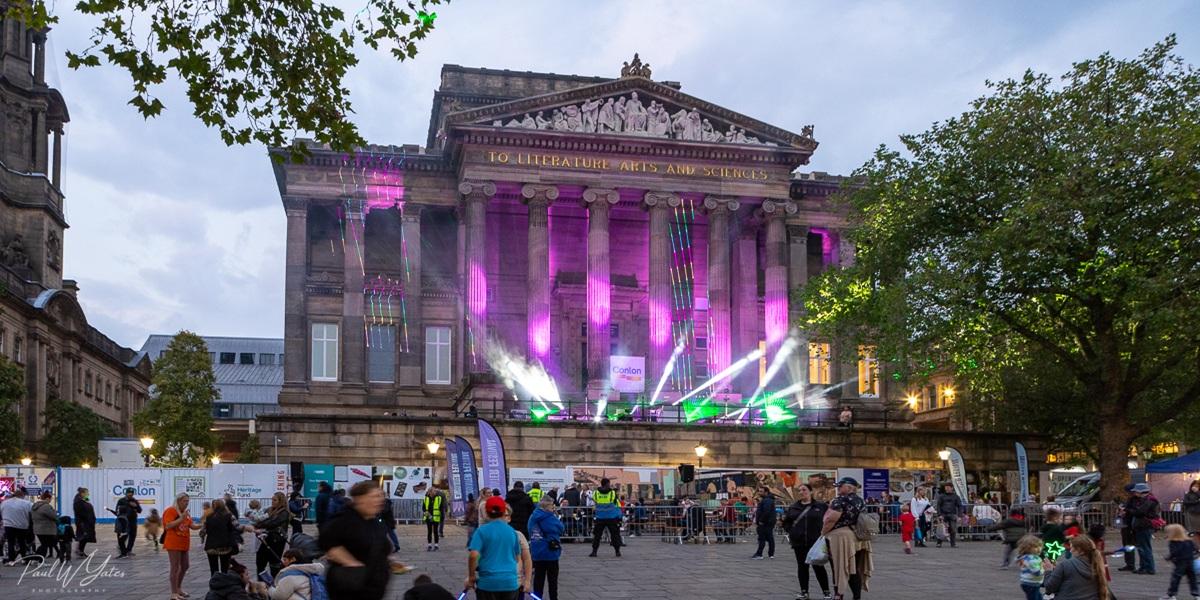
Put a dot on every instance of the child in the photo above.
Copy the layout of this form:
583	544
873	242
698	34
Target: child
425	589
1012	530
153	527
1071	527
66	536
1029	561
1053	532
908	524
1181	553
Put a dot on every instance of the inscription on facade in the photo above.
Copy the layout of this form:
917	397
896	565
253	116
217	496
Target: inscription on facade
568	161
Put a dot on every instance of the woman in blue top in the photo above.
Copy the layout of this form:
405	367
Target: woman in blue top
545	546
492	568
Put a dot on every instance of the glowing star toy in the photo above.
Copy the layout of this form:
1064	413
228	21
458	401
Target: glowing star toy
426	18
1054	549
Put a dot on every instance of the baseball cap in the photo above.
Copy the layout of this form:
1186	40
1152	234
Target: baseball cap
495	506
848	480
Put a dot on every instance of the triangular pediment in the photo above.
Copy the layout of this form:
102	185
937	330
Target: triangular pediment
635	107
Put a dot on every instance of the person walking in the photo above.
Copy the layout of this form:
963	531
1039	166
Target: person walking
849	558
356	547
499	566
1029	562
45	526
1127	537
471	519
1080	577
321	506
545	547
1182	554
803	521
431	510
1144	514
522	507
918	505
298	506
608	517
153	527
128	509
764	524
85	520
1191	508
17	514
273	529
220	527
1012	530
949	506
908	525
177	542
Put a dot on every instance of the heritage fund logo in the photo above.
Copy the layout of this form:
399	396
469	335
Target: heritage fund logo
84	577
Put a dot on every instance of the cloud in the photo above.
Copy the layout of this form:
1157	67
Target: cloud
171	229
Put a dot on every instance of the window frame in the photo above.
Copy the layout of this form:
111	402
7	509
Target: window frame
389	341
438	344
820	363
241	358
868	371
232	358
326	343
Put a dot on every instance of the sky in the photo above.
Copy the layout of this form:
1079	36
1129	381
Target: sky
171	229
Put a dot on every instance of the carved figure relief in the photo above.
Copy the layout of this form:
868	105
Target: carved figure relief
53	249
636	68
13	254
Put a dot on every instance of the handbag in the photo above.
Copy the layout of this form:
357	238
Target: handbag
819	553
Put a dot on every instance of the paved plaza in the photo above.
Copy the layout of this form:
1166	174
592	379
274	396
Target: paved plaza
649	570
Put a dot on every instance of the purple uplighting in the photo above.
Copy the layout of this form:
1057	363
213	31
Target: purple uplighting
826	244
477	302
776	318
599	296
660	325
539	338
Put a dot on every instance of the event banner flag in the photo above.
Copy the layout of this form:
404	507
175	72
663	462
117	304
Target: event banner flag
491	453
1023	469
958	473
466	463
458	502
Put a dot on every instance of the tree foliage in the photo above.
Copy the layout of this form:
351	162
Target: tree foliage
179	413
250	451
73	433
12	390
260	71
1044	247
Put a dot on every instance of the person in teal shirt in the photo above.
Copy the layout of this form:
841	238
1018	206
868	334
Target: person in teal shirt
499	565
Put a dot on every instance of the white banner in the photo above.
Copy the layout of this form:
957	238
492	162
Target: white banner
249	481
146	484
958	474
547	479
627	373
195	486
408	482
357	473
1023	469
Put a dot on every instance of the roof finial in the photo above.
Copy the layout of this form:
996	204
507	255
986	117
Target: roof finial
635	68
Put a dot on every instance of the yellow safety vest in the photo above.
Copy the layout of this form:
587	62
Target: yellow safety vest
436	514
605	497
536	495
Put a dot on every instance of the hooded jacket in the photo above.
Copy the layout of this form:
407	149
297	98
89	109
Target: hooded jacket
292	582
1072	580
544	527
522	509
45	518
1014	528
948	505
85	519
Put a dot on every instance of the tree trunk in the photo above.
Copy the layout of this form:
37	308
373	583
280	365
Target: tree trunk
1113	452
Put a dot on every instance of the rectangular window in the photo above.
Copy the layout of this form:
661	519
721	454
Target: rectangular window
702	343
944	395
162	353
818	363
868	372
212	357
108	393
87	384
266	359
246	358
324	352
381	353
437	355
17	343
700	368
227	358
281	359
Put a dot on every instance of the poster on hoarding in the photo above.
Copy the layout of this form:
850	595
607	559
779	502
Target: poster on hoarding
146	484
357	473
249	481
314	475
195	486
547	479
627	374
408	482
875	483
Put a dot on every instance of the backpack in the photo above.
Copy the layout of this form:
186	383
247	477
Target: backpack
316	585
866	527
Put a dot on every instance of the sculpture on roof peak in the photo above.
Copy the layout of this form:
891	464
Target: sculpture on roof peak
635	68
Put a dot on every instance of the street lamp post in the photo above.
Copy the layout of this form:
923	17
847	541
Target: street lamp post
25	462
147	444
701	450
433	447
944	455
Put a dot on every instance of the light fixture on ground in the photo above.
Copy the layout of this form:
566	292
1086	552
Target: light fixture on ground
701	450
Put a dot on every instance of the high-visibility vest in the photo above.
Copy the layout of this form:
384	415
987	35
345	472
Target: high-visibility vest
434	515
536	495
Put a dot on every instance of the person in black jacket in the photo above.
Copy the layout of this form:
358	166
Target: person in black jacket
356	547
128	509
764	522
85	521
803	524
219	531
425	589
324	493
273	528
522	508
950	506
1143	514
231	506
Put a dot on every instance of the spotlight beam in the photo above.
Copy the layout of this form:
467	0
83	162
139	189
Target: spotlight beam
729	371
662	381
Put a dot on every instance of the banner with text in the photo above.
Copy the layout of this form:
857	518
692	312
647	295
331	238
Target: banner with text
1023	469
249	481
146	484
875	483
466	463
627	374
458	502
491	454
958	474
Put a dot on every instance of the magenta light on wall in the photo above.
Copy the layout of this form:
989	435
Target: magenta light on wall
599	300
539	337
477	302
826	245
776	319
660	325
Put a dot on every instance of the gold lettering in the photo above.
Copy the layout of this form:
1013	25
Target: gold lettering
491	156
623	165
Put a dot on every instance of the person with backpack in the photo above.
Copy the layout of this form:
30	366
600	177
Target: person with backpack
299	579
849	554
764	524
803	524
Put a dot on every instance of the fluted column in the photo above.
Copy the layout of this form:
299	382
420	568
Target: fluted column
775	297
845	249
659	205
410	342
719	336
475	197
797	277
599	290
295	336
354	343
39	57
537	313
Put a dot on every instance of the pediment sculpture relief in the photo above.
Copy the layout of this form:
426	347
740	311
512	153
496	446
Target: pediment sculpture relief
630	116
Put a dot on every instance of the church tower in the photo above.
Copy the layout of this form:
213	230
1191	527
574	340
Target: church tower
32	220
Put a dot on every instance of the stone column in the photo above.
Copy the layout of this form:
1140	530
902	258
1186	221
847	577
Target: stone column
719	343
39	57
56	173
845	249
295	334
599	289
775	270
537	313
38	165
659	205
410	348
353	334
475	197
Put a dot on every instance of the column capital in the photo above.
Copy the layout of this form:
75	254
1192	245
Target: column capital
774	209
721	204
595	197
662	200
536	192
294	206
477	190
798	231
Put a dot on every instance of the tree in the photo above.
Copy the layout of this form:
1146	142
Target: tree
12	390
1043	246
256	71
179	413
73	433
250	451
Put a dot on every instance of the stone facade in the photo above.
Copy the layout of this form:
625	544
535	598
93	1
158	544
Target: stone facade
42	326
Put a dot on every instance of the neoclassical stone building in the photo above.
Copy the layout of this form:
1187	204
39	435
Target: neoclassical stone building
42	326
557	221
